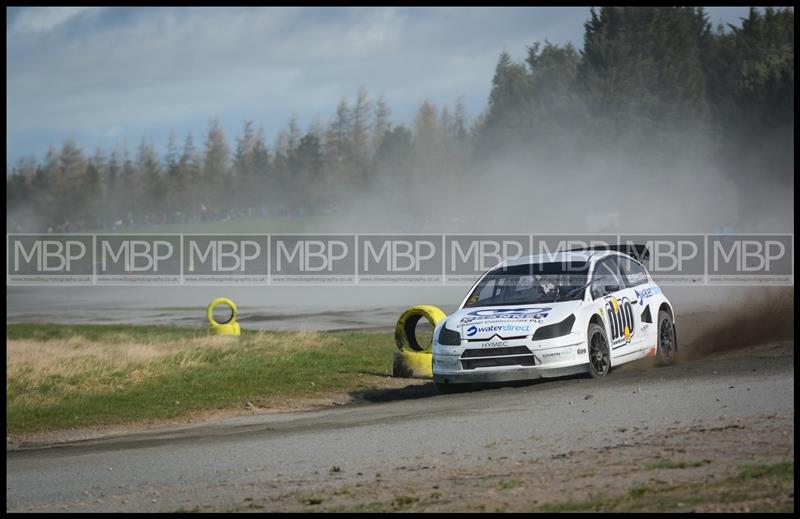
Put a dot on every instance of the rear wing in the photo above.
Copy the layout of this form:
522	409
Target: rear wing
638	252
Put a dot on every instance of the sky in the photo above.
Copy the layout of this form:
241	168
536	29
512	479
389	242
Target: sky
107	76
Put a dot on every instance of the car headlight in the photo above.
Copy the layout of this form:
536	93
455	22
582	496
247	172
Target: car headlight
449	337
555	330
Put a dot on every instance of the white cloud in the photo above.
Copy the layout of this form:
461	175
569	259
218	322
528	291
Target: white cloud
166	68
44	19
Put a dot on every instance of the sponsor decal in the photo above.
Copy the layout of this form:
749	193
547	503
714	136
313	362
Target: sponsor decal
557	354
513	313
482	321
620	319
635	277
503	315
646	293
581	351
473	330
499	320
495	344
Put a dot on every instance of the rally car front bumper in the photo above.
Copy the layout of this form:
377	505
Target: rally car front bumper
521	359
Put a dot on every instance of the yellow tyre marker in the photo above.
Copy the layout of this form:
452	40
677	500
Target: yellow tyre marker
412	364
229	327
405	329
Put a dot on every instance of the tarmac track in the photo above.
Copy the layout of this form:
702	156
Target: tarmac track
734	365
220	465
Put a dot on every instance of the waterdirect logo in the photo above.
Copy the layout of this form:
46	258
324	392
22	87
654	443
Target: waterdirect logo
646	294
472	330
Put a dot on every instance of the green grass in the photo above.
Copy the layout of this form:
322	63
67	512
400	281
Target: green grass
107	333
507	484
89	375
779	471
762	486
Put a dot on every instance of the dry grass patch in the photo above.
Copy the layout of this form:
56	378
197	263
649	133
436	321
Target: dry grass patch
91	375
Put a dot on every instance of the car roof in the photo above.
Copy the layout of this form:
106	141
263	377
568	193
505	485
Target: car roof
557	257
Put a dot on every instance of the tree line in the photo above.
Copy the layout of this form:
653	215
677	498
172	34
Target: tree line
654	79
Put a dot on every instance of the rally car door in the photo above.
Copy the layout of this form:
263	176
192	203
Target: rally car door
617	307
644	291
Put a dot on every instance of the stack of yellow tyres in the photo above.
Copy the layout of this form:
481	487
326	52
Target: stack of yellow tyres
413	360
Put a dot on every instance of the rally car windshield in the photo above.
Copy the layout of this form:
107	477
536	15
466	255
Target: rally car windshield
531	284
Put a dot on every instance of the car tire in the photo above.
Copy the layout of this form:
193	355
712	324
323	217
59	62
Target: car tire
665	340
599	351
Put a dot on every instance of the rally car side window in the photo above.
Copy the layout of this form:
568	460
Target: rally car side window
634	272
606	274
489	290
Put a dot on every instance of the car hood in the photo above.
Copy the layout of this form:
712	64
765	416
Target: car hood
508	321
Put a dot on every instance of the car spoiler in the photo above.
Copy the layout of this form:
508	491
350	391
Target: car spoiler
637	251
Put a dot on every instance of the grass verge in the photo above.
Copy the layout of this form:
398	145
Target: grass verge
754	487
750	487
70	376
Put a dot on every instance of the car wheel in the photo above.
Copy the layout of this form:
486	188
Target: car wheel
667	345
599	352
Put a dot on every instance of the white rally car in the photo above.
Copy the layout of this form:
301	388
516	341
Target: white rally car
553	315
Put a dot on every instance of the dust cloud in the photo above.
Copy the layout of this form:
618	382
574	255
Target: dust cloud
576	180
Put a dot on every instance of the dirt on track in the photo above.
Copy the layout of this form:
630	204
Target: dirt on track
767	317
715	433
701	333
702	467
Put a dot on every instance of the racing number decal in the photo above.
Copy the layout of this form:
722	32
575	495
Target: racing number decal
620	319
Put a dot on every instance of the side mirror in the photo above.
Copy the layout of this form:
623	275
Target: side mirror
611	288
